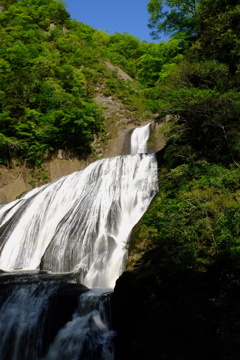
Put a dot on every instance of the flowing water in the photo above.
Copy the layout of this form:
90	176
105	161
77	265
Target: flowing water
87	335
139	139
79	225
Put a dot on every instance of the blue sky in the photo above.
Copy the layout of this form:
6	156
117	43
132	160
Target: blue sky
130	16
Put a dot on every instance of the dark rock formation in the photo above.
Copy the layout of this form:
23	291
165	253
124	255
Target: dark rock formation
189	316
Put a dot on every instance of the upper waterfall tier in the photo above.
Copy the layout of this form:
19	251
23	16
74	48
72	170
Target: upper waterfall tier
80	222
139	139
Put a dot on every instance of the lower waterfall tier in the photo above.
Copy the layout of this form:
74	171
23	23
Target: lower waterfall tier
43	317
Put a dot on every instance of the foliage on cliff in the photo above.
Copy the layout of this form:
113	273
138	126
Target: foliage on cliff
50	69
194	221
46	103
202	90
172	16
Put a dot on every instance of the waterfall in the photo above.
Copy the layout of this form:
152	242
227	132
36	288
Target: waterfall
26	319
139	139
76	227
88	330
22	318
81	222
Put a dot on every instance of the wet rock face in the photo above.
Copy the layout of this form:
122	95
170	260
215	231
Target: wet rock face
13	182
188	317
17	180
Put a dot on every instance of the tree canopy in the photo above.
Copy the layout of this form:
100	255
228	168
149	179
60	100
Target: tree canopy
49	68
45	100
202	89
172	16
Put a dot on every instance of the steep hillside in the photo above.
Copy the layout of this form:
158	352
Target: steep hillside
68	94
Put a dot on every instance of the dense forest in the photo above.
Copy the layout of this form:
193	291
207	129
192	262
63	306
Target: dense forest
194	221
184	257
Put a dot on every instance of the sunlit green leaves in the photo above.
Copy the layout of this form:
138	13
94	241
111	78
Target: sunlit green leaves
194	221
45	101
172	16
159	58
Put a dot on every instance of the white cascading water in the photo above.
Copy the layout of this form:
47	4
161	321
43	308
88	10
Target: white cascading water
139	139
88	329
21	321
77	224
80	222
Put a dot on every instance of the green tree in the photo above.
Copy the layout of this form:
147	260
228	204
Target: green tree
193	221
172	16
202	90
45	101
159	58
